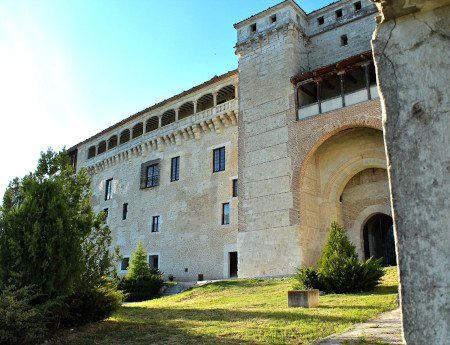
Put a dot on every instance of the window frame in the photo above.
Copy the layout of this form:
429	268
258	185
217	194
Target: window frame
124	211
219	159
235	191
156	226
106	212
155	180
125	257
108	189
152	256
226	217
175	169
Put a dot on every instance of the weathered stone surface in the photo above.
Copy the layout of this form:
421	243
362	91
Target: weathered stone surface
412	52
303	298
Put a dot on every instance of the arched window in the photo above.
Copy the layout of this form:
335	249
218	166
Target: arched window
91	152
205	102
112	142
225	94
101	147
186	110
151	124
124	136
138	130
168	117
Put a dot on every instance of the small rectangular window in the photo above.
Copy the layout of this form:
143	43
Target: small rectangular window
125	264
273	19
344	40
108	189
226	213
253	27
153	261
152	179
339	13
219	159
124	211
235	188
320	20
155	224
106	212
175	169
357	5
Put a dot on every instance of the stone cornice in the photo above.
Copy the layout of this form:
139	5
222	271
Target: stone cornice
262	38
212	120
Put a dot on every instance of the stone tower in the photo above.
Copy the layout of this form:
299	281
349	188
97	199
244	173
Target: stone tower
271	49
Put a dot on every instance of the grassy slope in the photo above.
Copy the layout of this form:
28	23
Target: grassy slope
236	312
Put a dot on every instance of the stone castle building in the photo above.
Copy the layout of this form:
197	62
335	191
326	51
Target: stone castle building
242	175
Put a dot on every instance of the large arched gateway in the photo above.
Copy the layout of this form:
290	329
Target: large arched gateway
344	179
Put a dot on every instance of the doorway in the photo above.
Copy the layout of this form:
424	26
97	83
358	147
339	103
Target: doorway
379	239
233	264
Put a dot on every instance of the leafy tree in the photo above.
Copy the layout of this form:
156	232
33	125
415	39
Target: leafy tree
141	281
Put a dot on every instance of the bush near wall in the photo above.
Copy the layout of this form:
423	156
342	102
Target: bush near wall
339	269
141	282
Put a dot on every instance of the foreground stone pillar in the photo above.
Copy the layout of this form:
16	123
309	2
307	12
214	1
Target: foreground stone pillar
412	53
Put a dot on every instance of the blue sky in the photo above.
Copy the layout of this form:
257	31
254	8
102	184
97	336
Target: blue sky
69	69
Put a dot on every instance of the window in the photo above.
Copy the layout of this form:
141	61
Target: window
125	264
339	13
124	211
108	189
226	213
155	224
273	19
344	40
219	159
253	27
357	5
91	152
175	169
106	212
150	172
153	261
320	20
235	188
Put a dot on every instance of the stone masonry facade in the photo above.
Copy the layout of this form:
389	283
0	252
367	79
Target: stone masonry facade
266	155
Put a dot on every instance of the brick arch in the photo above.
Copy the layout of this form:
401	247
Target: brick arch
325	135
312	223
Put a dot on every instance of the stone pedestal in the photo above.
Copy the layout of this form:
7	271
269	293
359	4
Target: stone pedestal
303	298
411	48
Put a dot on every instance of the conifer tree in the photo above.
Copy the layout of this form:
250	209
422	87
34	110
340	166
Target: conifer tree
49	235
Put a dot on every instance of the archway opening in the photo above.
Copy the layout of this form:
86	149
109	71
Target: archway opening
379	241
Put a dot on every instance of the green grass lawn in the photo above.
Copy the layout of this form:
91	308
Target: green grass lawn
247	311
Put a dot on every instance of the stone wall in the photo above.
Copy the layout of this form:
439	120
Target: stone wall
412	53
191	235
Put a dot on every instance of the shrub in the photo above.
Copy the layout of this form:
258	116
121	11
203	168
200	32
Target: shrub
21	322
340	270
307	278
92	304
51	239
141	282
